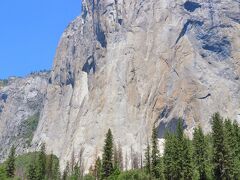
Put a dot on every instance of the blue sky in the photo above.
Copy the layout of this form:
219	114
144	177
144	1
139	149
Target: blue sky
30	31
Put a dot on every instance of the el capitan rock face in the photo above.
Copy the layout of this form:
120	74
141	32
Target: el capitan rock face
126	65
130	64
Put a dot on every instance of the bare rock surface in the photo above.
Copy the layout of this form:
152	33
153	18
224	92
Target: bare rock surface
129	64
21	101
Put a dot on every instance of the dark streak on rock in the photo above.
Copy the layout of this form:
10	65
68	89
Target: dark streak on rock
85	12
205	97
70	79
176	72
165	112
185	27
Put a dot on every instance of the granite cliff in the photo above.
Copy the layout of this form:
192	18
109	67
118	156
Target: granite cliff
21	101
131	64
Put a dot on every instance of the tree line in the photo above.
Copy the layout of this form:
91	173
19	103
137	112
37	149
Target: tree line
203	157
212	156
41	167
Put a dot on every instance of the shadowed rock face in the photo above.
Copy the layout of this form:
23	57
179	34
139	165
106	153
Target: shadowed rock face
191	6
20	99
127	65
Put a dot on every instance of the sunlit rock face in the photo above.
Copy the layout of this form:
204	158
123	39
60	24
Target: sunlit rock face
21	100
131	64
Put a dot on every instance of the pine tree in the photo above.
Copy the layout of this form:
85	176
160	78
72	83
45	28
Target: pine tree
32	172
179	149
98	169
10	167
236	131
200	155
117	158
177	155
161	168
220	153
168	159
107	164
155	157
41	166
147	161
116	162
231	145
187	167
209	154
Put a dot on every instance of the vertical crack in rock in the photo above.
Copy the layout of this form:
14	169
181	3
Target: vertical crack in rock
100	34
211	11
70	79
165	112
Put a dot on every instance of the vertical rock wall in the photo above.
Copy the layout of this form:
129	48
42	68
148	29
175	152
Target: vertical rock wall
130	64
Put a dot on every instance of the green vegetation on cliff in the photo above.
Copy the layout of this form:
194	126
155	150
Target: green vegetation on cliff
28	128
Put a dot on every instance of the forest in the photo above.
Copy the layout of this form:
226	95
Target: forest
206	156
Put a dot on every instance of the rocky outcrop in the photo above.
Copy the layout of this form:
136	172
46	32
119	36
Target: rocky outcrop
130	64
21	100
